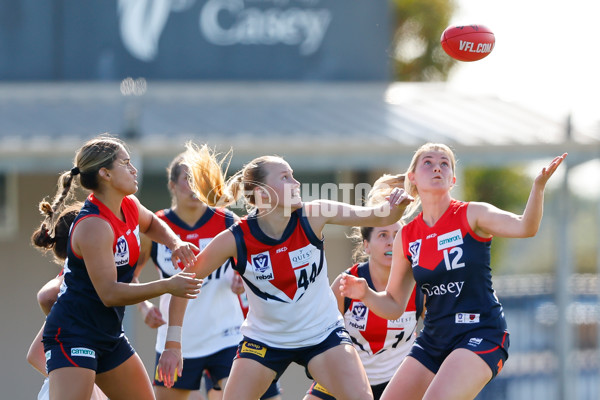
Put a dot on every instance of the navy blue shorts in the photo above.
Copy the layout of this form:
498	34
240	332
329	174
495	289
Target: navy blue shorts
320	392
218	366
279	359
489	344
71	353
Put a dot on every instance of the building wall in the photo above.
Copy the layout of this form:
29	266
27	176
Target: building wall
25	270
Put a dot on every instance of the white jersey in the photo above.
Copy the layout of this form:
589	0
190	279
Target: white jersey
212	320
291	303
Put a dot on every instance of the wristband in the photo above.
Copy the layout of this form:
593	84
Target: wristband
173	334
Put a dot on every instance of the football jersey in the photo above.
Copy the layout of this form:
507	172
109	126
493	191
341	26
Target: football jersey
78	311
451	265
381	344
290	302
212	320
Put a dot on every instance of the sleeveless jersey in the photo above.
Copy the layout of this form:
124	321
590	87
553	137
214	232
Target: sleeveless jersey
212	320
290	302
451	265
78	312
381	344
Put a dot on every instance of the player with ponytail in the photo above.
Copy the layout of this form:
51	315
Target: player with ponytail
211	327
83	337
381	344
293	314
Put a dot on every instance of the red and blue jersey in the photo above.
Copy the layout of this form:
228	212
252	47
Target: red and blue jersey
212	320
451	265
290	302
79	312
381	344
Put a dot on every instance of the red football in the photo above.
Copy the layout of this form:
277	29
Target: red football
468	42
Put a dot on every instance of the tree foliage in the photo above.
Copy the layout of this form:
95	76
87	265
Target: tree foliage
418	55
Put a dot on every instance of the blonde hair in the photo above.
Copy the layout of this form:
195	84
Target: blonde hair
95	154
412	189
207	171
382	188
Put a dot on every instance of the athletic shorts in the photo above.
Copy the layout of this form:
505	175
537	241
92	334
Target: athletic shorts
489	344
279	359
320	392
218	366
70	353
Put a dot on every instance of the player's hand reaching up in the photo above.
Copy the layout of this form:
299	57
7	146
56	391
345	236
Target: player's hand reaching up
548	171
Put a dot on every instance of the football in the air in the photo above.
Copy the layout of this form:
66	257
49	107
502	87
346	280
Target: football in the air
468	42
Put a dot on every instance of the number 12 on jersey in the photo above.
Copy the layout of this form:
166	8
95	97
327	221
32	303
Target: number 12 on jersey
452	258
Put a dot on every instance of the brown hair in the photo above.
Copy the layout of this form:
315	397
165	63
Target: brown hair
57	241
97	153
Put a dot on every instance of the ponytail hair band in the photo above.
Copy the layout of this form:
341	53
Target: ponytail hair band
75	171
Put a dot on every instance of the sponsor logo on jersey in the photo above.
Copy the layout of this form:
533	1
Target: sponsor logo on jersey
263	270
409	318
281	250
321	389
82	352
450	239
474	342
466	318
202	243
414	249
358	314
48	355
301	258
121	252
443	289
431	236
253	348
191	236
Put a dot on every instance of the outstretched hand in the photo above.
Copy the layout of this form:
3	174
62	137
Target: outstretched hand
399	197
353	287
548	171
184	284
184	253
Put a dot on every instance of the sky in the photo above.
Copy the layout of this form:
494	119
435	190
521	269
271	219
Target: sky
546	57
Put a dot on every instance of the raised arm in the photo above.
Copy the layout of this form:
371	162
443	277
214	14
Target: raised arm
322	212
391	303
487	220
219	250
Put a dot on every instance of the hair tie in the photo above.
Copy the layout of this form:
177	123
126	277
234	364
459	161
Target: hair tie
75	171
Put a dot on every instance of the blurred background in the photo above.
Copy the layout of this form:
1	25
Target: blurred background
344	91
